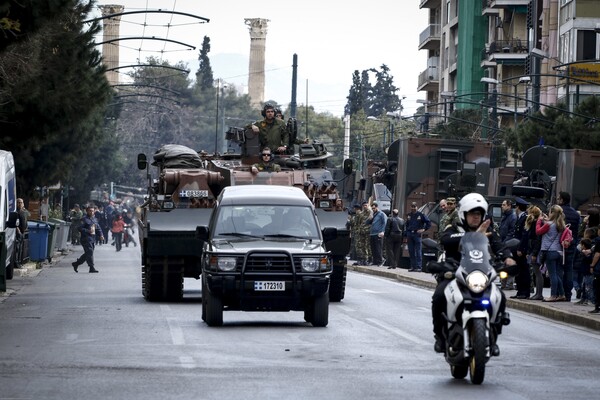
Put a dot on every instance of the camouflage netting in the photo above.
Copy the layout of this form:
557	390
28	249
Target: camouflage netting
177	156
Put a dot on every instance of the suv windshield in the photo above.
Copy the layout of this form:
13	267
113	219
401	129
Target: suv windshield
266	220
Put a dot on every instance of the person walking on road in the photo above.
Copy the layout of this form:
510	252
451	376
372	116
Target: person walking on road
416	224
88	228
118	226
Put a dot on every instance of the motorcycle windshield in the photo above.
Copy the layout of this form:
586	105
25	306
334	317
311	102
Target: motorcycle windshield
475	252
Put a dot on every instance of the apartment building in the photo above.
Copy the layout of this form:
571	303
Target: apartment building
527	53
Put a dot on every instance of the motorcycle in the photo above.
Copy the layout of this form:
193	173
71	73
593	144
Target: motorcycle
472	304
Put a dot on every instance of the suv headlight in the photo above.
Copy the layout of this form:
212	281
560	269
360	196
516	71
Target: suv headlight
226	264
477	281
314	264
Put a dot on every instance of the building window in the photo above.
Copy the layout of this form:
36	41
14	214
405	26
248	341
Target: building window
586	45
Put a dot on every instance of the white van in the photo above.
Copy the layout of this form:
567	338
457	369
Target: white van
8	207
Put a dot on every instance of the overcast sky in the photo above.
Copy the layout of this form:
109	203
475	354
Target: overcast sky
331	38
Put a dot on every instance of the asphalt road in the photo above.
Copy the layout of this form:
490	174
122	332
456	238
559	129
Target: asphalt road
92	336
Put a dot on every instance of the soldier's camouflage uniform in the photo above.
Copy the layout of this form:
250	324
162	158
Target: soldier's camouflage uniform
448	219
76	217
361	233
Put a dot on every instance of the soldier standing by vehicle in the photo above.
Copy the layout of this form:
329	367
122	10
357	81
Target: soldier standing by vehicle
450	216
273	132
21	229
88	228
363	247
353	229
75	215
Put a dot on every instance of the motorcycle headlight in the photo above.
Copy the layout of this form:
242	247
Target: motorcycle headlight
477	281
314	264
226	263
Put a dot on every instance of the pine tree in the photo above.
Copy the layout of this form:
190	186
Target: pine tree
204	76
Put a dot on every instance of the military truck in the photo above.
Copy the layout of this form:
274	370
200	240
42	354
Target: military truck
252	260
178	200
184	192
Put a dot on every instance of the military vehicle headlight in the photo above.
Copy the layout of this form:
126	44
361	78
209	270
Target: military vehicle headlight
168	205
314	264
477	281
226	263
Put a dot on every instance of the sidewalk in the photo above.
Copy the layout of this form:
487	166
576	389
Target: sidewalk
569	313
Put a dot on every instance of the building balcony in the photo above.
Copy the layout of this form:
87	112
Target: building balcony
497	4
429	80
429	39
510	52
430	4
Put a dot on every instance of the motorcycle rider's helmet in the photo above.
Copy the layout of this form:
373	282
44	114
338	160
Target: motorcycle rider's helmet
471	202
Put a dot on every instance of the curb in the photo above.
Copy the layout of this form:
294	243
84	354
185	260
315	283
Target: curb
547	310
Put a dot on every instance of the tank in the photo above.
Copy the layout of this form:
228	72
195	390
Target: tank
179	199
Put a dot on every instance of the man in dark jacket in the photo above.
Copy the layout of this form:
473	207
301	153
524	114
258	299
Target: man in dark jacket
394	231
523	278
416	224
88	228
572	218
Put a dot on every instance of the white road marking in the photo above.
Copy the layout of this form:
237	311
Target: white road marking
395	331
174	328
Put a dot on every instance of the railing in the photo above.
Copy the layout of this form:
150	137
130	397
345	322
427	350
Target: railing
431	32
429	75
508	46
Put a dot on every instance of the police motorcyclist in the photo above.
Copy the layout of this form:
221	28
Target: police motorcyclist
472	211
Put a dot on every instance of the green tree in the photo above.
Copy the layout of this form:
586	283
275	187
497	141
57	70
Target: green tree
557	127
374	100
54	88
204	76
383	95
19	19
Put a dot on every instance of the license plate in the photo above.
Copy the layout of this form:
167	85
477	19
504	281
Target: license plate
269	286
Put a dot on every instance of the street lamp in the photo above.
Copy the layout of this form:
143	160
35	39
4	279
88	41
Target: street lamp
526	80
390	128
492	81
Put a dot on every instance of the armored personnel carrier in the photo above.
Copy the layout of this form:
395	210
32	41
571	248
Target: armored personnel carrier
182	196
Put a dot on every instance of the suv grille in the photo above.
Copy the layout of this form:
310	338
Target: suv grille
268	263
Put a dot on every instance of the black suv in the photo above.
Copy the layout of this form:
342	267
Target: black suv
264	251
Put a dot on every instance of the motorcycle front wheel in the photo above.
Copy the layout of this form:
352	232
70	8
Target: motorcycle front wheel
479	342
